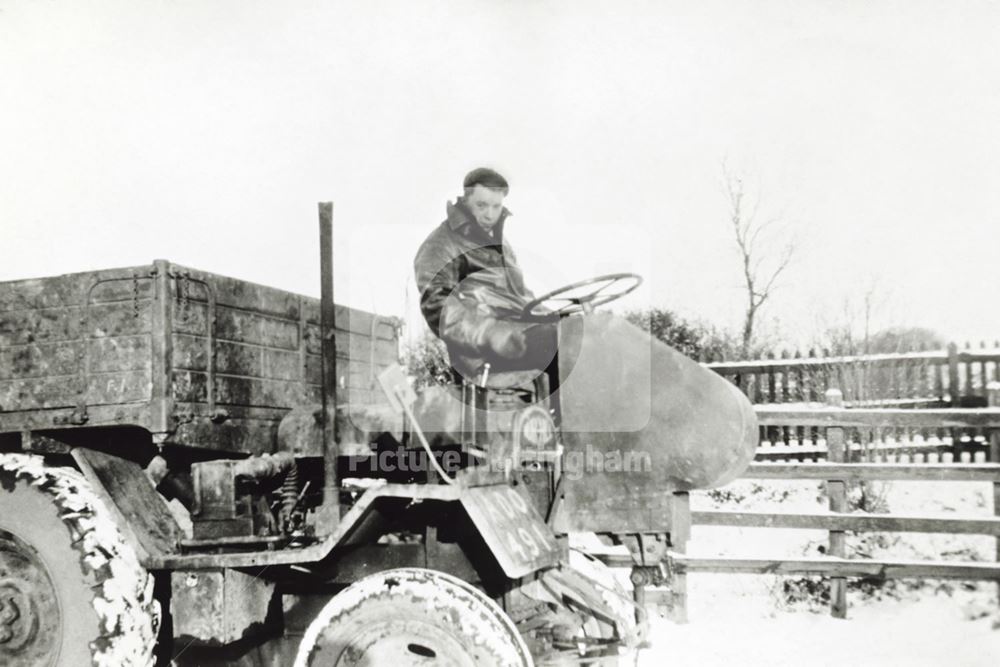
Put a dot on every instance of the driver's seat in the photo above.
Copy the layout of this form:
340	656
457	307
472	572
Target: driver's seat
530	385
509	379
500	379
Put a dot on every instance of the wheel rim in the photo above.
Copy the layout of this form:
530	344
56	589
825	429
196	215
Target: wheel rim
412	616
29	609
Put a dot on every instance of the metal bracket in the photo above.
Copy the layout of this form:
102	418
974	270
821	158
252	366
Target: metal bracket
78	417
647	549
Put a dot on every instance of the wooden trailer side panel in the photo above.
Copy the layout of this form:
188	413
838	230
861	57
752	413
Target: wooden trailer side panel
244	354
75	349
198	359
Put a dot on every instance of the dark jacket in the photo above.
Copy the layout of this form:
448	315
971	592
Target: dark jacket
468	281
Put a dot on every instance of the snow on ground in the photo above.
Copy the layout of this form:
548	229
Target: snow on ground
929	633
774	621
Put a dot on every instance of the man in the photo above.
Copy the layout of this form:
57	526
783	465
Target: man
472	291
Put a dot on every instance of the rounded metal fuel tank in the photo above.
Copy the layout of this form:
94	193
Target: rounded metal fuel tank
641	421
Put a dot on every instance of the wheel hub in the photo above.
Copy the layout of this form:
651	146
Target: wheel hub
15	631
404	643
29	611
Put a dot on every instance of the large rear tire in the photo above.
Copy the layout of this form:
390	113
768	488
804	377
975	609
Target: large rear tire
72	591
412	616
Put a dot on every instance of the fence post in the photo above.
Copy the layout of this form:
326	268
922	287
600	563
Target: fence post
953	389
954	392
993	400
680	533
837	492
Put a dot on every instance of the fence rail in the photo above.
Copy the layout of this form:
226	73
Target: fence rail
838	567
856	472
795	432
877	418
846	521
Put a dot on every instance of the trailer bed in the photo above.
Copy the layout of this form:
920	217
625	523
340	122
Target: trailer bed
190	356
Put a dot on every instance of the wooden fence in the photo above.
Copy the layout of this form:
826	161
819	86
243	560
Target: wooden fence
834	422
932	381
921	378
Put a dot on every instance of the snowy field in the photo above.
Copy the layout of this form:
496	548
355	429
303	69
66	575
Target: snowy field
930	632
777	621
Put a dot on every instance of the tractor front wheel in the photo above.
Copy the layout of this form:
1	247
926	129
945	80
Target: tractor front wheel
412	616
72	592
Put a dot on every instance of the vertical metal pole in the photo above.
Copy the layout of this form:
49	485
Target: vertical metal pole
329	514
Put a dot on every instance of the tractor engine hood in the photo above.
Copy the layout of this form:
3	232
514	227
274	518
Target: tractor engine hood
641	421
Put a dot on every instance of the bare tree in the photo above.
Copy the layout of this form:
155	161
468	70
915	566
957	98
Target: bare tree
762	264
848	330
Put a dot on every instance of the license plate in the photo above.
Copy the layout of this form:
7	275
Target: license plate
512	528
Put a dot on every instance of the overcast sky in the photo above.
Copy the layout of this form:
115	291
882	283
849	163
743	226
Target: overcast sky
206	132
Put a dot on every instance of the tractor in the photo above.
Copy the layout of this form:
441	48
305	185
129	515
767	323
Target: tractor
199	470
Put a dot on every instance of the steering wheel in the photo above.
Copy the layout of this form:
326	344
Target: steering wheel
583	303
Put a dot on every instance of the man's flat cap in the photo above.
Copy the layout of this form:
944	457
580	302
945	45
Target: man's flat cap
487	178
